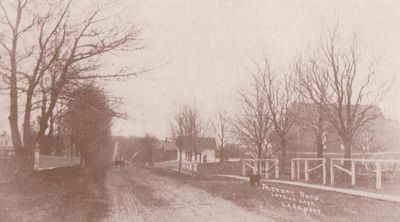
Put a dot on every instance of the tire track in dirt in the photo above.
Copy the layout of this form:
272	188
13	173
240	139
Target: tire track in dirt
124	208
184	203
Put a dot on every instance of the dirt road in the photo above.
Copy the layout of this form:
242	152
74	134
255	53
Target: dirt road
139	194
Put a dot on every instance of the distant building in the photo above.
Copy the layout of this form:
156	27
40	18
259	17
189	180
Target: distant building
201	150
168	151
380	134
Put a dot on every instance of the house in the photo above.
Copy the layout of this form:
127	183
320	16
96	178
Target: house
6	148
201	149
168	151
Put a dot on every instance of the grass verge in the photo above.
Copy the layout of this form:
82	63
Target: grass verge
63	194
332	206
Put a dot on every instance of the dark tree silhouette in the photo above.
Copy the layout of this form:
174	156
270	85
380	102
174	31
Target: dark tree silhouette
89	118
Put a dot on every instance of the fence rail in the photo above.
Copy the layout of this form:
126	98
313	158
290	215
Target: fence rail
189	167
262	166
376	166
166	164
43	162
295	168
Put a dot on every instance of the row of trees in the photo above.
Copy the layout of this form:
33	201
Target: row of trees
333	81
187	125
49	50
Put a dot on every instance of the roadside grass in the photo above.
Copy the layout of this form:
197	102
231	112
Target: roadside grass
63	194
333	206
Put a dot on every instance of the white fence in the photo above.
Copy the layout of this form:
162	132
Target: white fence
374	166
295	167
189	167
43	162
262	166
166	164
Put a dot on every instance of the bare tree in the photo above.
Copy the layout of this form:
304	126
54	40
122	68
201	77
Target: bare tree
177	132
186	129
279	96
252	125
222	131
89	118
47	50
10	45
312	89
351	96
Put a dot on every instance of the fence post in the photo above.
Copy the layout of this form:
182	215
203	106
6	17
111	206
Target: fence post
306	176
298	169
243	168
276	169
37	158
324	171
353	173
332	173
266	169
378	175
292	170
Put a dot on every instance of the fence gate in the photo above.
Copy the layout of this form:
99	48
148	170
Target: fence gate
295	168
260	166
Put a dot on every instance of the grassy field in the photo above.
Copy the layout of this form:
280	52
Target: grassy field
63	194
332	206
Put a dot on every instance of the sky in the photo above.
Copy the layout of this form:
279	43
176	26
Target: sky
206	50
202	51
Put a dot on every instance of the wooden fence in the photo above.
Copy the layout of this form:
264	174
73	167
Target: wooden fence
264	167
189	167
166	164
43	162
363	166
296	167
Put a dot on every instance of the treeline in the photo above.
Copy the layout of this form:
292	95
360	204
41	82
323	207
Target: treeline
51	60
331	87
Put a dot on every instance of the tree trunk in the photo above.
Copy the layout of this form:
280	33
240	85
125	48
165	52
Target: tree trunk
347	148
27	133
320	145
283	155
13	118
347	155
220	155
180	161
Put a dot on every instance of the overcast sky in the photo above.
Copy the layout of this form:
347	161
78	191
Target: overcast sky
203	50
207	48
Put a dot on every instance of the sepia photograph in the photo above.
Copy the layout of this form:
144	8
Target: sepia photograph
199	110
